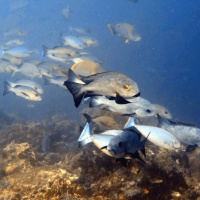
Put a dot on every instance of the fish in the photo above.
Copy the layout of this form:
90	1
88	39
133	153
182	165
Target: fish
101	120
18	4
162	111
89	41
28	83
22	91
157	136
15	42
12	59
102	141
74	42
87	57
186	133
139	107
45	71
57	80
59	51
15	32
81	31
66	12
29	70
105	83
125	30
7	67
126	145
52	65
46	143
19	52
87	68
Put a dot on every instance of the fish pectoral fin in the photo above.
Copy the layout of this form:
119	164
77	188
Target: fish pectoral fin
123	161
136	155
143	152
191	148
120	100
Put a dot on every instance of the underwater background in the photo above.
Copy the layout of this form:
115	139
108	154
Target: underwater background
164	64
39	153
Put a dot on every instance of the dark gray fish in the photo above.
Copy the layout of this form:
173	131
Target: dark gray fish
105	83
126	144
45	143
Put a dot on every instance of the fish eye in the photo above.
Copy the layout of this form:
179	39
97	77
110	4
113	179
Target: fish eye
120	144
166	112
148	111
127	87
35	88
36	95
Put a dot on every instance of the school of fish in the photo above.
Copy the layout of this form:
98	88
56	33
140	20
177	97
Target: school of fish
73	69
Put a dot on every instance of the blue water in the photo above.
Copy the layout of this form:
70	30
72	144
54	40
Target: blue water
165	63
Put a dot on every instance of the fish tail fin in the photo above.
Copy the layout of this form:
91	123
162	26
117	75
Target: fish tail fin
70	29
75	89
14	72
7	87
45	50
130	122
143	145
47	80
60	36
88	118
1	52
74	85
85	136
112	30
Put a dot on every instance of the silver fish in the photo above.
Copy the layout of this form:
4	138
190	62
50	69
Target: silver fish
66	12
15	42
81	31
162	111
185	133
89	41
74	42
7	67
19	52
157	136
29	70
22	91
138	106
125	30
106	83
27	83
100	140
57	80
65	52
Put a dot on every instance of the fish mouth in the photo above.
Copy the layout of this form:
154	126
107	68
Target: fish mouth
137	95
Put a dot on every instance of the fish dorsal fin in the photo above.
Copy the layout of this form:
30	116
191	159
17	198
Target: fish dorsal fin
136	155
181	123
72	77
85	136
130	122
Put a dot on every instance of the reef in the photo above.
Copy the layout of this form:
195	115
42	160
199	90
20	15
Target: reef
65	171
